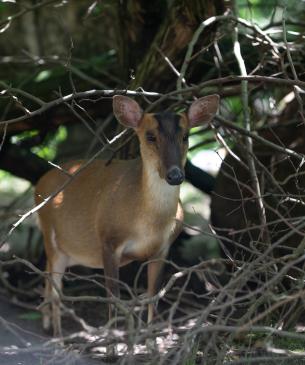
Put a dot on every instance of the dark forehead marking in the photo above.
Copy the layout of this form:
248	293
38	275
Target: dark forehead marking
168	123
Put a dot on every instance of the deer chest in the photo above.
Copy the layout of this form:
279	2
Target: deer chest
149	241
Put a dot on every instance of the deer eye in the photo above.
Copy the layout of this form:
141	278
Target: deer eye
150	137
185	137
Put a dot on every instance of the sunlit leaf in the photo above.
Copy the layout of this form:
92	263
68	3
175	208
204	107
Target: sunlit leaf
43	75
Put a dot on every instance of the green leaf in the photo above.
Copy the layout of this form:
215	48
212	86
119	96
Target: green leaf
32	316
43	75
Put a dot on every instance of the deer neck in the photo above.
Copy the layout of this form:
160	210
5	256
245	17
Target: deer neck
158	195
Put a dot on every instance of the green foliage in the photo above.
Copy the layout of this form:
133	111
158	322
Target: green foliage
5	4
191	360
10	186
43	75
261	339
44	79
52	73
48	151
23	136
291	344
203	138
31	316
234	105
261	11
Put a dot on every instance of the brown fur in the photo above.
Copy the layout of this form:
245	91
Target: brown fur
98	216
109	215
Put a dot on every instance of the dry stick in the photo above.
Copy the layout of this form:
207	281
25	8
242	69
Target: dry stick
208	22
295	76
249	269
84	94
116	301
281	300
234	78
170	64
82	75
224	80
275	211
9	90
259	260
135	300
7	22
259	139
4	132
189	51
248	140
85	123
162	97
222	142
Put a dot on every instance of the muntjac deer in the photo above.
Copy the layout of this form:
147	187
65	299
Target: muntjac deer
112	214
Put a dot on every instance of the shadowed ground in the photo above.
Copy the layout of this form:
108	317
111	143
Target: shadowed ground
23	342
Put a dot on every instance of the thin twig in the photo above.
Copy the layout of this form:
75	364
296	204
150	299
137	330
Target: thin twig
248	140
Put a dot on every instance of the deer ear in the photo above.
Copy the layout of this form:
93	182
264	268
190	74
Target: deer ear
203	110
127	111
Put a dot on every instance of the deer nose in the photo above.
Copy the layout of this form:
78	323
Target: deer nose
174	175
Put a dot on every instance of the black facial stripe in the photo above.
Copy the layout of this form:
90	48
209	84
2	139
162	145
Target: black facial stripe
168	124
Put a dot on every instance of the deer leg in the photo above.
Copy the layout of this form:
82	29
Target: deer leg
46	309
154	269
111	271
56	267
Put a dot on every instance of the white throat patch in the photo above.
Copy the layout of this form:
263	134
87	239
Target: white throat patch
162	195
